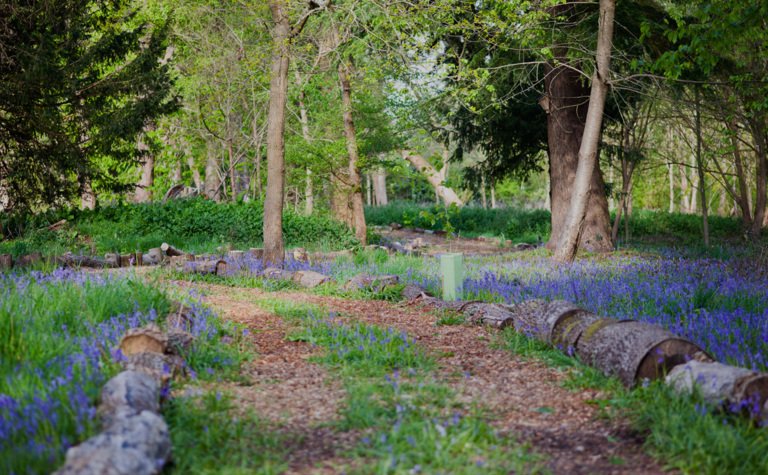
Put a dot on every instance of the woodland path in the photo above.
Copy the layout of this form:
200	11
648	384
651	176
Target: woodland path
525	398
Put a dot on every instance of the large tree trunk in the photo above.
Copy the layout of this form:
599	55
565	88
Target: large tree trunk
566	106
380	186
582	184
274	249
435	179
358	213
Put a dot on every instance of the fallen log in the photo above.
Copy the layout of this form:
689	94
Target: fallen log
131	390
371	282
28	259
147	338
569	329
70	260
127	260
256	253
633	350
738	388
171	251
153	257
490	314
215	267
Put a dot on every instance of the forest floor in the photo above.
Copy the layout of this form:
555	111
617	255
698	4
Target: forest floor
522	398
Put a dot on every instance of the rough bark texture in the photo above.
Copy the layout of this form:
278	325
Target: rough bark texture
757	127
356	196
620	348
435	179
278	93
587	158
569	329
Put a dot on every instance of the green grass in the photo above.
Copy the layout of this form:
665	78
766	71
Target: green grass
682	431
212	436
411	422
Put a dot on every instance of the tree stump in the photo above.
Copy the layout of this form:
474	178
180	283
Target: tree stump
29	259
6	261
148	338
215	267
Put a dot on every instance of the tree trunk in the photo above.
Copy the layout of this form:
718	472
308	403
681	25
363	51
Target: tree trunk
380	186
493	196
700	168
274	249
743	197
627	170
588	150
483	195
232	171
143	193
368	190
671	187
340	199
87	195
195	172
309	196
758	132
448	196
212	185
358	213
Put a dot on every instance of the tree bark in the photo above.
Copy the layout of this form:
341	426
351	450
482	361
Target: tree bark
143	193
358	213
435	179
671	187
87	195
587	157
743	197
309	197
700	169
274	249
758	132
212	183
380	187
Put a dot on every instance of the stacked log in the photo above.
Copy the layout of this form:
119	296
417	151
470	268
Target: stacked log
135	438
71	260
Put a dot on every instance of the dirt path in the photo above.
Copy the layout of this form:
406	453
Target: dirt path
524	397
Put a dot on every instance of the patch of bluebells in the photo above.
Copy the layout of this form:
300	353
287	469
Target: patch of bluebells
49	407
711	302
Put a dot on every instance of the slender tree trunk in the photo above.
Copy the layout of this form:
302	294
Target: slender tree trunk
741	178
582	184
368	190
274	248
232	172
671	187
309	196
358	212
627	170
694	185
380	186
87	195
700	168
483	195
143	191
257	165
757	125
493	195
212	186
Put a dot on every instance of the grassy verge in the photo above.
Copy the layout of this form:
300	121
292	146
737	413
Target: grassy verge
410	421
684	432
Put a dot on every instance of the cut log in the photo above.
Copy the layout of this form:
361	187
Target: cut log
299	254
139	258
170	250
739	388
129	390
127	260
179	341
327	256
256	253
70	260
634	350
160	367
6	261
310	279
236	255
371	282
555	312
148	338
214	266
132	445
491	314
275	273
527	316
568	330
153	257
28	259
112	259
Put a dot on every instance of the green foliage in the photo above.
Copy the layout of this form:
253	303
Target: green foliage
193	224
